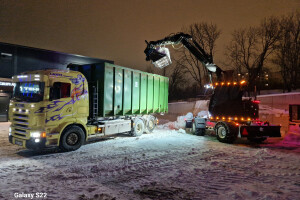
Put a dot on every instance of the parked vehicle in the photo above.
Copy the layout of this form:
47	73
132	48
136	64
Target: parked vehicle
65	108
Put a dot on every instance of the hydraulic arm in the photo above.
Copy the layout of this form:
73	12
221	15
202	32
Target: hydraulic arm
160	56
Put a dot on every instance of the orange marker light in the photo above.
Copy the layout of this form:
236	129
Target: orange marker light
234	83
217	83
242	82
217	118
242	118
235	118
222	83
43	134
228	83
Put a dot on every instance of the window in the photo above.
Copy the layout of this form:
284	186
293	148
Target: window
60	90
29	91
6	56
294	113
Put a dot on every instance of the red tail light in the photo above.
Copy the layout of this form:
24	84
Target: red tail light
256	101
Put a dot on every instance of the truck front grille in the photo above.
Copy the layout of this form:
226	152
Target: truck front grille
20	124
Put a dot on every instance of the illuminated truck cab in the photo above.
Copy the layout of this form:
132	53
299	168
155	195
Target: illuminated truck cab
43	103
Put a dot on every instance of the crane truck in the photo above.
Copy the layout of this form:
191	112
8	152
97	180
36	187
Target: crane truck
230	115
65	108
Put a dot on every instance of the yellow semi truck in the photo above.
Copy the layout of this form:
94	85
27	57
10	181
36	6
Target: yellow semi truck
65	108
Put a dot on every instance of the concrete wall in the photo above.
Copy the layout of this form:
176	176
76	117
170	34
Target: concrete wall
275	108
182	108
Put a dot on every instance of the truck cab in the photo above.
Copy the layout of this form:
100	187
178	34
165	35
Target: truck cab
44	103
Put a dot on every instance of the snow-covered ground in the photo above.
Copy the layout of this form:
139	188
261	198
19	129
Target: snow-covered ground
166	164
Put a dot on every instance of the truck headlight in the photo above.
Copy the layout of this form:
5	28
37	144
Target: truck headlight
9	131
35	134
38	134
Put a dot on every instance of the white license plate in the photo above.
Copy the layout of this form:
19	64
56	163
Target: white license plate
18	142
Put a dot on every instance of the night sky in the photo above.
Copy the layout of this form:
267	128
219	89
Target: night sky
116	30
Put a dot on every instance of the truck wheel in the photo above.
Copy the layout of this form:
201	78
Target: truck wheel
257	140
72	138
225	133
138	128
194	128
150	124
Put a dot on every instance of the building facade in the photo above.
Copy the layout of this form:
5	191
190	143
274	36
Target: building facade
15	59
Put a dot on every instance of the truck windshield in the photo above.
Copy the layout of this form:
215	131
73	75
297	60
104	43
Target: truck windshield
29	91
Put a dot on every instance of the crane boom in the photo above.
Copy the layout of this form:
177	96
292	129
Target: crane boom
160	58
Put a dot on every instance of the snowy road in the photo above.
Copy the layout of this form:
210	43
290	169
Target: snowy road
162	165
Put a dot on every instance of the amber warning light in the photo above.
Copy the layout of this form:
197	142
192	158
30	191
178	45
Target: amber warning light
230	83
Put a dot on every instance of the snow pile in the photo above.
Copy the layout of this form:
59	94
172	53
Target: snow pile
189	116
203	114
181	131
293	136
178	124
201	106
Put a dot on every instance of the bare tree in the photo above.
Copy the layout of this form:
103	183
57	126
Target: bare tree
288	51
250	47
177	80
205	35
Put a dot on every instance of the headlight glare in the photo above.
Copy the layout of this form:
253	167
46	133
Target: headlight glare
35	134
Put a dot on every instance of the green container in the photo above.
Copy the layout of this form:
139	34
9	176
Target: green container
123	91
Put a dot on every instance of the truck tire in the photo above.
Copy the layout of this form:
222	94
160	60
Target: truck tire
225	132
257	140
193	128
72	138
138	128
150	124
